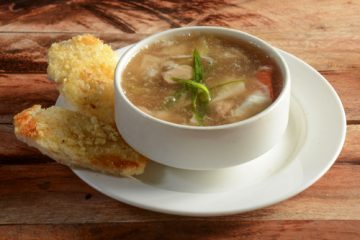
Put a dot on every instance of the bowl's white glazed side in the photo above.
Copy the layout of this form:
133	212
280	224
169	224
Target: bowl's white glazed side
201	150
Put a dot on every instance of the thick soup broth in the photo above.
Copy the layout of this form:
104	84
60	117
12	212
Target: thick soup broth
201	80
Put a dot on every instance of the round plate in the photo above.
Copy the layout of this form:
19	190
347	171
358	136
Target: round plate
311	144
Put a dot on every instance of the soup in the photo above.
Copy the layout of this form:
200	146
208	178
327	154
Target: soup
201	80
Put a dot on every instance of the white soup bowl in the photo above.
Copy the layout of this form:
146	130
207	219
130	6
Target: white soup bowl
199	147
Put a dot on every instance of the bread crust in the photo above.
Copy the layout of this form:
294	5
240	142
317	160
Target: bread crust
74	139
83	68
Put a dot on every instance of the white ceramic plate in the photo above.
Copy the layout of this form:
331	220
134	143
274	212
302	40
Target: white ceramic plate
311	144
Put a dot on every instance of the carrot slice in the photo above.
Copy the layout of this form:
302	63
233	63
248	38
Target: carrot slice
265	75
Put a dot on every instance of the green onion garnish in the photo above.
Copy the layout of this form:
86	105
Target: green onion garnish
199	92
198	68
202	90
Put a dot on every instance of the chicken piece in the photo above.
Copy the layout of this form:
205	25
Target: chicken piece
255	102
168	65
150	65
83	68
229	90
150	61
75	139
223	108
177	71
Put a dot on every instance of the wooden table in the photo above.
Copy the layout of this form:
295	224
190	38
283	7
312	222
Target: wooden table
40	199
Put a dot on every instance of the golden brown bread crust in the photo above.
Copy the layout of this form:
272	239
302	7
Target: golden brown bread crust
74	139
83	68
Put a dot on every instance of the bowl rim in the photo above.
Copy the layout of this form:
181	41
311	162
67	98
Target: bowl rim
135	48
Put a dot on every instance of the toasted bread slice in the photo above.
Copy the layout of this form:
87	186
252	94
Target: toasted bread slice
74	139
83	67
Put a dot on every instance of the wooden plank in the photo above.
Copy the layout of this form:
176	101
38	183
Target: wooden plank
347	86
113	16
321	39
51	194
26	52
297	17
13	151
324	51
18	92
152	16
351	152
192	229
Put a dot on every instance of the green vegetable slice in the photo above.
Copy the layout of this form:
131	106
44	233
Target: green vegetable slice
198	68
199	110
201	94
200	88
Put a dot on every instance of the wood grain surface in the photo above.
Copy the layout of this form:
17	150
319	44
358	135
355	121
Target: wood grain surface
40	199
